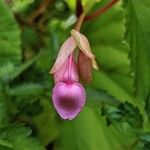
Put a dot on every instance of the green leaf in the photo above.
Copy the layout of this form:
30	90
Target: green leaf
26	89
71	4
86	132
144	141
30	95
17	137
105	35
96	97
147	107
10	71
104	81
49	131
19	5
87	5
138	35
3	115
10	50
9	35
126	117
5	145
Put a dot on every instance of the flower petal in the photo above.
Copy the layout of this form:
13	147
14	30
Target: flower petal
63	75
68	99
83	44
85	69
94	64
66	49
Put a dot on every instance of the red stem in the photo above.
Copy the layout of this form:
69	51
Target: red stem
83	18
79	8
100	11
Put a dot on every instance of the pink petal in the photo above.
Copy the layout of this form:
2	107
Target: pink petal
68	99
83	44
66	49
63	75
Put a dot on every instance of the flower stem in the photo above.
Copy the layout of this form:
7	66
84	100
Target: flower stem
79	8
101	10
97	13
79	22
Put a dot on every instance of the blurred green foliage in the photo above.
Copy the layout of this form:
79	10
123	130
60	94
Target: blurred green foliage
117	111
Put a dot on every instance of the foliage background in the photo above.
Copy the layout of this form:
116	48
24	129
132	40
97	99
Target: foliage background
117	112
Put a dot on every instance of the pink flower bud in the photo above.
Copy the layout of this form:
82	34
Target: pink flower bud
68	99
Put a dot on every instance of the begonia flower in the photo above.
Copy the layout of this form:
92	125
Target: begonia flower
69	95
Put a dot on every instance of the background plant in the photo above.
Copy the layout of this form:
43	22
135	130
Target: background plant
117	112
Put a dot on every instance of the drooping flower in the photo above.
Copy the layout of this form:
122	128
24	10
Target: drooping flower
69	95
